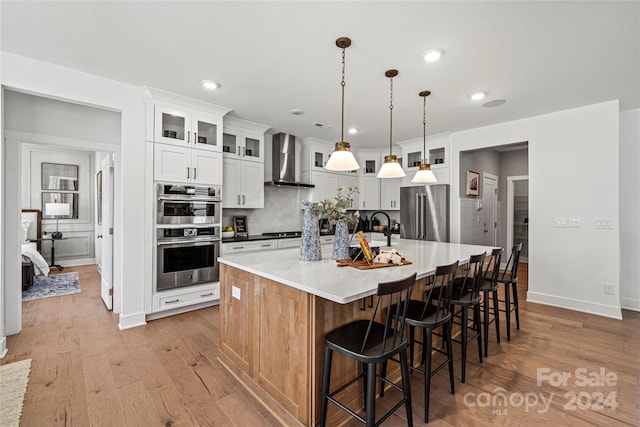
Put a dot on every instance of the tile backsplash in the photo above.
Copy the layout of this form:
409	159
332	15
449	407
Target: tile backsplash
282	211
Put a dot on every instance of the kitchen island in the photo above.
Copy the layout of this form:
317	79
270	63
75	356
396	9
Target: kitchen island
276	310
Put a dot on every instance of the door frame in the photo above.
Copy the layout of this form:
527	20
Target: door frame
510	204
495	178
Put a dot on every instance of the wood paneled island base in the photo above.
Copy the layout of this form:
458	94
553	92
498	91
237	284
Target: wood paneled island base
272	340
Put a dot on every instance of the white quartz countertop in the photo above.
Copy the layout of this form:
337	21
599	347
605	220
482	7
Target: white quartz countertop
346	284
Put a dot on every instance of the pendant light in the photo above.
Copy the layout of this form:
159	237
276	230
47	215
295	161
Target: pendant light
342	158
424	174
391	168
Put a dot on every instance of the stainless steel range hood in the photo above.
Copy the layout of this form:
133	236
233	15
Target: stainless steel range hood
283	162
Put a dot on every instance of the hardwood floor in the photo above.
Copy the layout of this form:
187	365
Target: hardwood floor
87	372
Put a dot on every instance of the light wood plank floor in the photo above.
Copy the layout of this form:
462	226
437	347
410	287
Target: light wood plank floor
86	372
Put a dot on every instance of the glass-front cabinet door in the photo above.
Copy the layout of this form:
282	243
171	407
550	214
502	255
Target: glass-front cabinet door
207	132
171	125
243	144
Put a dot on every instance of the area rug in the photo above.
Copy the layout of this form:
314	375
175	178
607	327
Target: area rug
52	286
13	386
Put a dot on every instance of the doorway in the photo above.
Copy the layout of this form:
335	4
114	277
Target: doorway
518	214
490	208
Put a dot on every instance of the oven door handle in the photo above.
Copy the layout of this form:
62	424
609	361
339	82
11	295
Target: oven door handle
190	199
190	242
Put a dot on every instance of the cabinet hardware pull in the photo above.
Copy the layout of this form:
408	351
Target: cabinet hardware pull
206	295
238	247
187	172
243	199
194	173
195	137
244	151
238	199
238	151
172	301
188	136
265	245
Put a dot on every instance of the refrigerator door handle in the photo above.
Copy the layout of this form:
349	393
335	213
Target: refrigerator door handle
417	216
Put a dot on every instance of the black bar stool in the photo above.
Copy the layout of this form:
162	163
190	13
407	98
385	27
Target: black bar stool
489	289
430	314
509	278
371	342
466	295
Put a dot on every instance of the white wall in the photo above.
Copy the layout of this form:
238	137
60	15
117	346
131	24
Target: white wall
630	209
44	79
567	266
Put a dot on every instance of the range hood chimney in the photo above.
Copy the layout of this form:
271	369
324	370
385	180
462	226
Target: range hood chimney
283	162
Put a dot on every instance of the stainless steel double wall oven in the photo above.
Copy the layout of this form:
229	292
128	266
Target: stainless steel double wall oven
188	235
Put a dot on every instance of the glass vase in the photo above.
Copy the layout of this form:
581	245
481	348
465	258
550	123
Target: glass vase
310	249
341	241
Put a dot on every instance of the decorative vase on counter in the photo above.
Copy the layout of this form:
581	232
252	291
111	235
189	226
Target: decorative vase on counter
341	241
310	249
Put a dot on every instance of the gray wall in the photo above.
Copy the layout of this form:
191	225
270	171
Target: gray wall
512	163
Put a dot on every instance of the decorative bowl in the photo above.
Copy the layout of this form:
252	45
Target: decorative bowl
228	234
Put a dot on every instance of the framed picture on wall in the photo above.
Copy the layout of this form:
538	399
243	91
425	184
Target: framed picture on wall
473	183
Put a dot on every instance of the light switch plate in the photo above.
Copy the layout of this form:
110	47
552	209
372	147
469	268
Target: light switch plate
235	292
603	223
561	222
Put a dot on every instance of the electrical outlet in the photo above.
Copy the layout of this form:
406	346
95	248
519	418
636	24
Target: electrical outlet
603	223
609	289
561	222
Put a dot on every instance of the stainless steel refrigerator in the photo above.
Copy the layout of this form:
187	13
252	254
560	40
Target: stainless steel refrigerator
424	212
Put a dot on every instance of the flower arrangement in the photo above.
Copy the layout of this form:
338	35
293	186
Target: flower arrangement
336	210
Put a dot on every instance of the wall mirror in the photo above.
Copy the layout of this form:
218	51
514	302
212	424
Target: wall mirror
57	176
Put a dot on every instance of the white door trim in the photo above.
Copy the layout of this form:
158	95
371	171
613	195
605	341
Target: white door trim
510	203
486	175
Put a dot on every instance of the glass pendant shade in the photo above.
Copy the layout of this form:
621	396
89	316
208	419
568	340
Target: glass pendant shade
391	168
424	175
342	159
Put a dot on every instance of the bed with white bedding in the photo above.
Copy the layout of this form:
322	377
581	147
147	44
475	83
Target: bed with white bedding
31	233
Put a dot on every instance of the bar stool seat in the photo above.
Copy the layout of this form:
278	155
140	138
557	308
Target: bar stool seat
371	342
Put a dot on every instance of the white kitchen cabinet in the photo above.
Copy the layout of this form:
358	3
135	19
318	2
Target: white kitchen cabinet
181	297
249	246
243	140
347	180
289	243
369	193
173	163
315	154
243	184
187	128
326	184
390	194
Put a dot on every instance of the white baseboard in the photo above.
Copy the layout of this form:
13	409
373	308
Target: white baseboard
131	320
613	312
630	304
3	347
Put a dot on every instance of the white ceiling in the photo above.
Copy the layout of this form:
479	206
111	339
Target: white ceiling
271	57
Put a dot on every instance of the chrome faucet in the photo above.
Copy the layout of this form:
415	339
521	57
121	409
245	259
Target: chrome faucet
387	231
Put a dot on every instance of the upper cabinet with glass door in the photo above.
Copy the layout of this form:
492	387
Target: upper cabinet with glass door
180	127
243	140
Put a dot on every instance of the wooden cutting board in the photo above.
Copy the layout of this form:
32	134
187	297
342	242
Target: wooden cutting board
362	264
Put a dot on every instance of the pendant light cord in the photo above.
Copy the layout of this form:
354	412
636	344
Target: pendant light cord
390	115
424	128
343	84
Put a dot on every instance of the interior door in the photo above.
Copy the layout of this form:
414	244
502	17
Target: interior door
105	238
490	206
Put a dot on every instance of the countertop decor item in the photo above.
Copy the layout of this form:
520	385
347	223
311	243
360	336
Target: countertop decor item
424	174
310	249
342	159
337	213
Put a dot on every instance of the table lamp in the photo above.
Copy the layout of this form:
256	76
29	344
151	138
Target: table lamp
57	210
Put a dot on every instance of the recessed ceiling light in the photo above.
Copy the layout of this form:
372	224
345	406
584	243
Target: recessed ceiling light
494	103
296	112
477	96
432	55
210	84
352	131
